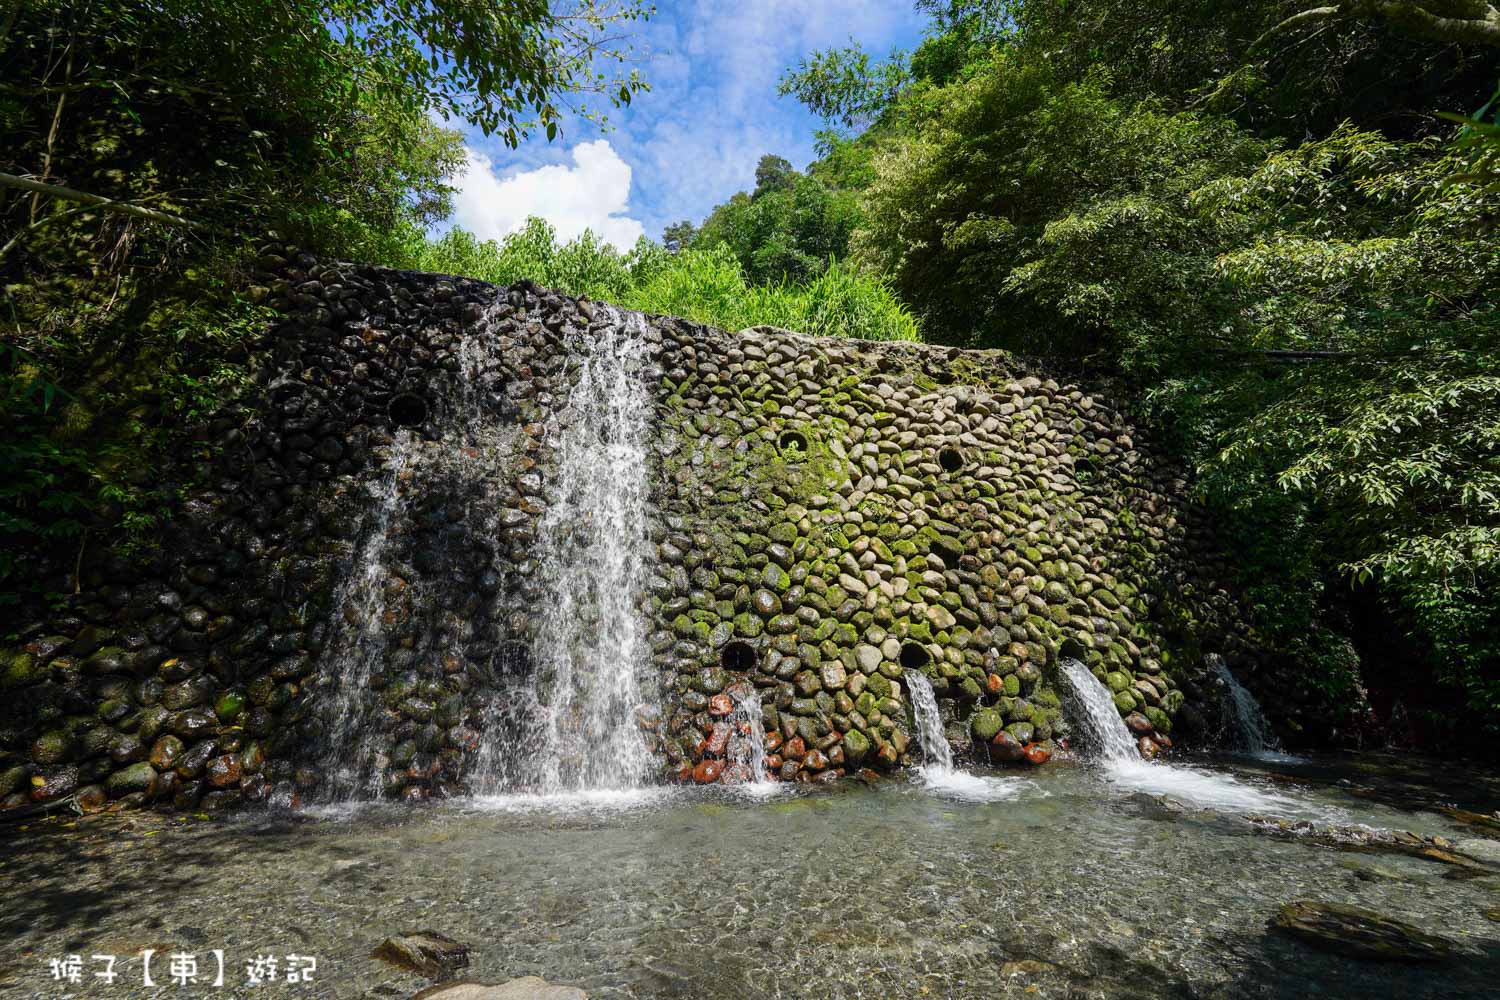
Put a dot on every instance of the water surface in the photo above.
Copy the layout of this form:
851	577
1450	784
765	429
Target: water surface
1065	881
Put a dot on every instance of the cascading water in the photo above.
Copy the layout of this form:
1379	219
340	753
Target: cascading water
1105	728
747	742
590	651
1123	766
1254	731
937	755
938	772
350	756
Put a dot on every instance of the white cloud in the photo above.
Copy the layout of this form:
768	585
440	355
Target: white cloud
593	193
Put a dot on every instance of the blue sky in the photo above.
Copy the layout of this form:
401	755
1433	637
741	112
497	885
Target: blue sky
695	138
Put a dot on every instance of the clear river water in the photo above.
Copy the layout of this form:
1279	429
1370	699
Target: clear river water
1068	881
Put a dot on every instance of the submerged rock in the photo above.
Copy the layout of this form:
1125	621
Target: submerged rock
425	952
525	988
1360	933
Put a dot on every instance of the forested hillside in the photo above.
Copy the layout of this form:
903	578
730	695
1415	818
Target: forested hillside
1271	225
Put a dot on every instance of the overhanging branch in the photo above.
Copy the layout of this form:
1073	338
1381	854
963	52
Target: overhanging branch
99	201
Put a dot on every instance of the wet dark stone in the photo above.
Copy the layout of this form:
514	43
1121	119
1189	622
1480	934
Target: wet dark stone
1360	933
192	724
1005	748
224	772
192	763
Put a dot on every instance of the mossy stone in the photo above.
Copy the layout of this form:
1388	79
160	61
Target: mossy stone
985	724
711	680
229	706
135	778
12	779
19	668
1024	732
773	577
783	533
52	747
856	746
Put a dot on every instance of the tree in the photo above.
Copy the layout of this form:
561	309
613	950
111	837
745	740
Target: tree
772	173
1464	22
678	236
843	85
789	229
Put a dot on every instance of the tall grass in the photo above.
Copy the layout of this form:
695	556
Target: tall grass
706	285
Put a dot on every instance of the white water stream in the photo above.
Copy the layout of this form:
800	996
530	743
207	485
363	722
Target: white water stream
938	773
590	650
1256	737
1124	768
359	642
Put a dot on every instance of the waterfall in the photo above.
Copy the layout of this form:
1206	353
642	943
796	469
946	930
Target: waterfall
1255	733
936	754
359	608
1124	768
591	653
938	773
1103	722
747	740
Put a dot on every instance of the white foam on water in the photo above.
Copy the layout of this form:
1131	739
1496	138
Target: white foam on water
1205	789
580	800
1123	767
765	789
967	787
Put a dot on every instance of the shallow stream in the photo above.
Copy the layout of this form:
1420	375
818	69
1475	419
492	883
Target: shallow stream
1062	882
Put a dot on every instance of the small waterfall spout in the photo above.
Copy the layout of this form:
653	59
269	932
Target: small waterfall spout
1123	766
1254	731
938	772
747	740
937	755
591	652
1105	727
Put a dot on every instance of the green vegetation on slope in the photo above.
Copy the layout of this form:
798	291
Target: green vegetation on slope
707	284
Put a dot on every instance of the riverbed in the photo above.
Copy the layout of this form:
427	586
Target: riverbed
1063	881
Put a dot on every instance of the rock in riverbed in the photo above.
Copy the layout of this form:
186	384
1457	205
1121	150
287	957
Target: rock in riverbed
525	988
425	952
1360	933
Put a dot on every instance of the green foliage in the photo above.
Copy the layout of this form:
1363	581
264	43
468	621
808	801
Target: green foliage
845	86
703	283
581	267
709	286
1478	143
1047	217
787	230
1293	84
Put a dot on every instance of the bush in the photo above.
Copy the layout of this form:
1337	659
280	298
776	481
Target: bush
707	285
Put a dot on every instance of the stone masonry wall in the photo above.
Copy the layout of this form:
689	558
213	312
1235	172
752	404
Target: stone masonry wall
829	515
